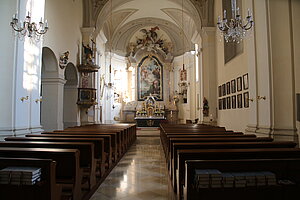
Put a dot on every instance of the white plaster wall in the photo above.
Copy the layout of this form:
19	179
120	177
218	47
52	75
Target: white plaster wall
232	119
65	21
187	111
7	67
23	58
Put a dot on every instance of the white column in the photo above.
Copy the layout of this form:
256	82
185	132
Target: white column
53	119
209	70
283	83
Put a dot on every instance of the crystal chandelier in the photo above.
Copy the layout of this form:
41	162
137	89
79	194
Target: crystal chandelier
236	29
28	28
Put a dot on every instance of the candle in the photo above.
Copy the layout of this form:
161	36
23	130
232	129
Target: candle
224	14
238	11
248	12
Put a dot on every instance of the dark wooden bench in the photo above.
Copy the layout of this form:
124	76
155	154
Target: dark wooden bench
121	135
190	139
228	154
110	143
221	145
46	189
98	144
87	158
116	136
284	169
68	172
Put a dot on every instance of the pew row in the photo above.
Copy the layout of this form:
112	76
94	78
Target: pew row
285	186
46	189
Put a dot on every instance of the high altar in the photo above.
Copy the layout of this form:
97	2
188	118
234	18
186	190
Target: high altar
151	114
150	56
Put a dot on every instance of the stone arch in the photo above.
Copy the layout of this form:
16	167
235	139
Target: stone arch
51	92
71	111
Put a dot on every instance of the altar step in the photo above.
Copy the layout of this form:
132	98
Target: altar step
147	132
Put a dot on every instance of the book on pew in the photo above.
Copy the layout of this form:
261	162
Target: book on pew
211	178
20	175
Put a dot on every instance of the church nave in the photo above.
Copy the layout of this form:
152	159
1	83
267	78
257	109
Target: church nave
140	175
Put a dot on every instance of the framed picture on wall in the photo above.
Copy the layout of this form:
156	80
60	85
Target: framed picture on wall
220	104
224	90
245	81
246	100
239	84
150	78
228	99
224	103
233	86
228	88
233	102
239	101
220	91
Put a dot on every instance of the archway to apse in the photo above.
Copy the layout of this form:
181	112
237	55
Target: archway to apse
71	111
51	92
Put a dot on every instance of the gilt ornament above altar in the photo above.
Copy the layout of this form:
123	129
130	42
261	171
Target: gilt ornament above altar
151	40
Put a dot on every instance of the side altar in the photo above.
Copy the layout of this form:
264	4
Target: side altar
151	114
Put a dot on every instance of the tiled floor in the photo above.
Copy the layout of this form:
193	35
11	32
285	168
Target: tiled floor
140	175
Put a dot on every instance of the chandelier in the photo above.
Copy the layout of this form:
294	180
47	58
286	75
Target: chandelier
235	30
28	28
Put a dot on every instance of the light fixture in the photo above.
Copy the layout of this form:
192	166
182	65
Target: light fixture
183	84
235	30
28	28
110	84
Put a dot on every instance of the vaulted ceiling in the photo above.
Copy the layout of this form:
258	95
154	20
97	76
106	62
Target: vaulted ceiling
120	20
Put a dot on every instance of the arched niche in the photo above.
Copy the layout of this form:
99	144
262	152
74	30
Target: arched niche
70	116
52	92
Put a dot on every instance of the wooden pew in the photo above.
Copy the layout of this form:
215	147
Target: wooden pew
221	145
285	169
46	189
68	172
110	143
87	159
122	136
226	154
114	135
130	127
98	144
207	138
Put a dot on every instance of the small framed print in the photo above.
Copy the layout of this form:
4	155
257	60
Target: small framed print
239	84
233	102
224	103
246	99
233	86
245	81
239	101
224	90
220	91
228	88
228	99
220	104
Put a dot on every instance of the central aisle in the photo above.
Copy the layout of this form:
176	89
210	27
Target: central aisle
140	175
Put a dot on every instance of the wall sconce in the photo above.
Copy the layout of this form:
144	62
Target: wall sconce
24	98
261	97
27	28
38	100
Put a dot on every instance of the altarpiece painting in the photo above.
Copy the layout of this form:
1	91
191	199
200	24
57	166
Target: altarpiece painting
150	78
